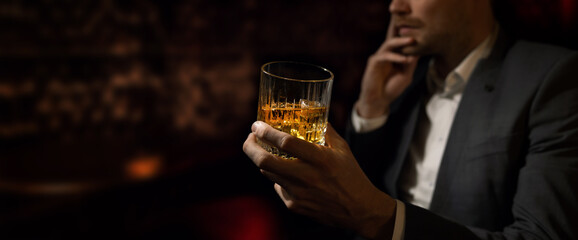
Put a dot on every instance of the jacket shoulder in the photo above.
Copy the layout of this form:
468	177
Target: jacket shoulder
527	52
532	62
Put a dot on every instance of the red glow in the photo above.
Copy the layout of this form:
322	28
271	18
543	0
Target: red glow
240	218
568	9
547	13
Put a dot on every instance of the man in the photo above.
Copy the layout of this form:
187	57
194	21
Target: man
461	132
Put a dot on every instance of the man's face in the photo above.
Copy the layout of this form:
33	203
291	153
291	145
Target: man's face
436	25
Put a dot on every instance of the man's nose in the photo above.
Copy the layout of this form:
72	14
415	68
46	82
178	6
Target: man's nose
399	7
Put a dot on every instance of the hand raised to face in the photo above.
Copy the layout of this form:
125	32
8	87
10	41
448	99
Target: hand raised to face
387	74
323	182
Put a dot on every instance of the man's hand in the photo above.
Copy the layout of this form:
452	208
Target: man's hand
323	182
387	75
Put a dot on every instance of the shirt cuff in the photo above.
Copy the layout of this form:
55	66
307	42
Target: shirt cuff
399	224
363	125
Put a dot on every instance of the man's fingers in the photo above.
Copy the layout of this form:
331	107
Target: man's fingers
283	141
397	42
261	157
285	196
276	178
390	57
412	61
390	30
387	51
391	44
291	203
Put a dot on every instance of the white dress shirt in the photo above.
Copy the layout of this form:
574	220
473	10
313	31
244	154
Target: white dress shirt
419	174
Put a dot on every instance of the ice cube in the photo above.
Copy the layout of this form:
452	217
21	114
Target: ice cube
304	103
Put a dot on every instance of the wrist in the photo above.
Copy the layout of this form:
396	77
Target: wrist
379	224
368	109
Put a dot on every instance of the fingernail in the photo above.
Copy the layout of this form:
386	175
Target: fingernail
256	125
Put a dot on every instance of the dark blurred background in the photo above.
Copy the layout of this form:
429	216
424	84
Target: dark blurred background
127	118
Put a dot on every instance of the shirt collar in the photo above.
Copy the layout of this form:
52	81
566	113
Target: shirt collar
456	79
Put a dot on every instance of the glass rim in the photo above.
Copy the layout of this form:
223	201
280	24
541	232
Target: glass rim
294	79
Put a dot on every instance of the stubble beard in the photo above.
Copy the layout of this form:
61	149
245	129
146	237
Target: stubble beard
432	44
419	48
414	50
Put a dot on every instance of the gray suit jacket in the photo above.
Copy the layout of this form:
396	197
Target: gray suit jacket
510	168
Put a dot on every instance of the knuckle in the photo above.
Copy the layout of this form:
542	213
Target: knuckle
285	141
261	160
372	57
293	206
260	132
246	145
290	205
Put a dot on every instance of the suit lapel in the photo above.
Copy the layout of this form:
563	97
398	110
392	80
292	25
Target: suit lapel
412	103
479	89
